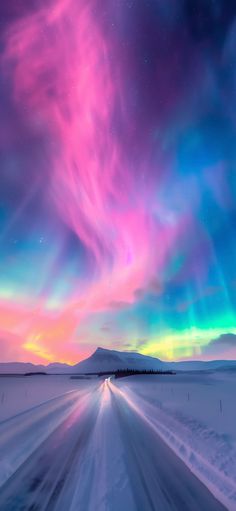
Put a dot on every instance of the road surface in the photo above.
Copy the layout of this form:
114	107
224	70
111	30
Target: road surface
103	456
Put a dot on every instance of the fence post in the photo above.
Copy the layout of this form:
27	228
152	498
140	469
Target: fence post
220	406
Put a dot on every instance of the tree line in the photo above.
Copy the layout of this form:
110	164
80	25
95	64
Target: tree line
121	373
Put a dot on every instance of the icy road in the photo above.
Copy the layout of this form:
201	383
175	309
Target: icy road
93	449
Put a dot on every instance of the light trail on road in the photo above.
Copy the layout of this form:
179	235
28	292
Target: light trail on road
103	455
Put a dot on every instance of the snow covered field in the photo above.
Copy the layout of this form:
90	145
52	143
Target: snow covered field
104	445
196	415
19	393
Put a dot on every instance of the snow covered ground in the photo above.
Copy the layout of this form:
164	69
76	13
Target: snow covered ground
195	414
104	445
19	393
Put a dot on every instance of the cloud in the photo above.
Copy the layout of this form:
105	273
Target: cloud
154	286
221	345
105	328
118	304
141	342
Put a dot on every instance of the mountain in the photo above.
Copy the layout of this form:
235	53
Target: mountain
110	360
201	365
57	367
27	367
20	368
103	360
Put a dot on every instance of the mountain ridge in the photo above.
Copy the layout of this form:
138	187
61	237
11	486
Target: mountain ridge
104	359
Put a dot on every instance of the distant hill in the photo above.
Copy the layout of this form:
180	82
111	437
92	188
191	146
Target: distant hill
57	367
200	365
19	367
27	367
104	360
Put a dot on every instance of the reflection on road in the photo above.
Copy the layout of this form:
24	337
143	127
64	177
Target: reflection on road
103	454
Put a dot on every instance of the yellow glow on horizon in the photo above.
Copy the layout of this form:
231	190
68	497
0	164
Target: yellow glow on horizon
185	344
34	347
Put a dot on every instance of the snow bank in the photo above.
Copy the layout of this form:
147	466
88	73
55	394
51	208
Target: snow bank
195	415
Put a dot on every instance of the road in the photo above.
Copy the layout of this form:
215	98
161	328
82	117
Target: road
104	456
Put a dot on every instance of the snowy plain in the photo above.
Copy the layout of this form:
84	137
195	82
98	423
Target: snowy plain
100	445
195	414
19	393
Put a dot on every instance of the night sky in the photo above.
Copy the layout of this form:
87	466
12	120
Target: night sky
117	178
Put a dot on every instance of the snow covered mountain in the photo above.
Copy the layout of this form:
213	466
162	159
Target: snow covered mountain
57	367
200	365
111	360
27	367
20	368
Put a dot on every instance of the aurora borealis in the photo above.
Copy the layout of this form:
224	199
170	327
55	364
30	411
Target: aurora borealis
117	178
